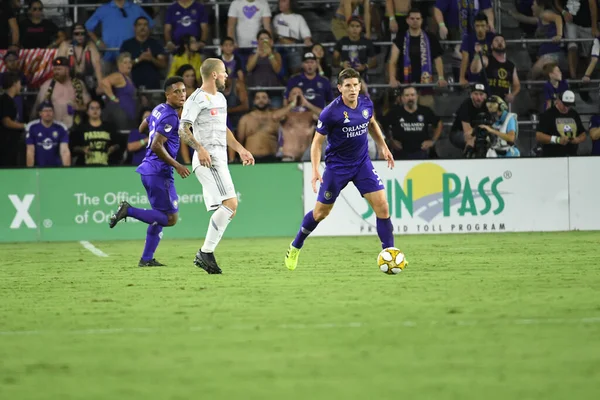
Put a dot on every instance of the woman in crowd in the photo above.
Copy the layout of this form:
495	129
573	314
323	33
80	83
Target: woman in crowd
188	73
121	94
186	54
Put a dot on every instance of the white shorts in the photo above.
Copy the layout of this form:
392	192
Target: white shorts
573	31
217	185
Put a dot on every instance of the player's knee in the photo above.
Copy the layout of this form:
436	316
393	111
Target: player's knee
232	205
319	214
382	210
172	219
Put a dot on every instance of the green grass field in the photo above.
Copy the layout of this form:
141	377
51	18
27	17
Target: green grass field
494	316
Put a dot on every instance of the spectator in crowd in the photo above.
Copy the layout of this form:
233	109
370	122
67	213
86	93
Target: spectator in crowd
47	140
414	128
188	73
456	18
187	54
469	112
258	131
554	86
346	10
12	128
265	65
549	26
117	19
68	95
595	134
84	58
233	63
323	66
9	29
419	53
186	17
578	15
503	131
13	66
237	102
500	74
58	15
297	120
147	55
94	139
36	32
560	130
245	20
121	93
396	11
315	88
481	36
595	53
355	51
137	142
291	28
524	7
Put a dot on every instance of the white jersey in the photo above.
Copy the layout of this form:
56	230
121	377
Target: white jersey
208	115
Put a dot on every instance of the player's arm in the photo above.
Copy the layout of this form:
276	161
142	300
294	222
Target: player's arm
315	152
158	147
376	133
245	155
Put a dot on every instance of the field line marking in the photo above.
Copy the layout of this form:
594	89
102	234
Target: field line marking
96	251
320	326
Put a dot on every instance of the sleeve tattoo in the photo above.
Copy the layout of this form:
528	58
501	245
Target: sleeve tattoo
185	134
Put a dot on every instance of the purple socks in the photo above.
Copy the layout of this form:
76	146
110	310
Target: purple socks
385	230
308	225
153	235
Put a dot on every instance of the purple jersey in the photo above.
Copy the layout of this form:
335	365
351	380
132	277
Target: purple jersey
551	92
186	20
316	90
346	130
162	121
47	142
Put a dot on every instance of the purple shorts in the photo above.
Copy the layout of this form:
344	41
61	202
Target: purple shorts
364	177
161	193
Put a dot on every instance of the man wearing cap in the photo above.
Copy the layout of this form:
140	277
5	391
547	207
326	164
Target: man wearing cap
471	110
67	95
560	129
504	129
47	140
354	50
315	88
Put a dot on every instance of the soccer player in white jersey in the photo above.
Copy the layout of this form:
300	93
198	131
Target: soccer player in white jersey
205	111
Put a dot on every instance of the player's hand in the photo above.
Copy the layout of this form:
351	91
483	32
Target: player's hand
246	157
316	177
426	145
204	157
387	155
182	171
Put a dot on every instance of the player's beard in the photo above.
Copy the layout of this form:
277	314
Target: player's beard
220	86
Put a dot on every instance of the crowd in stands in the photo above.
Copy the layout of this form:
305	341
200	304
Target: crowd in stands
96	73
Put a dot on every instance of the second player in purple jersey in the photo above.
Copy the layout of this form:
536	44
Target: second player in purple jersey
345	123
156	171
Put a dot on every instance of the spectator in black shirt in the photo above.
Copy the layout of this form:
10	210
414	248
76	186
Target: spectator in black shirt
38	32
94	139
410	123
9	29
461	133
11	128
416	54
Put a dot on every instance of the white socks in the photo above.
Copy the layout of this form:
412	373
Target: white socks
216	227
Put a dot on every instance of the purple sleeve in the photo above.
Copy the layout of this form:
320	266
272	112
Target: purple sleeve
202	14
166	126
29	139
323	124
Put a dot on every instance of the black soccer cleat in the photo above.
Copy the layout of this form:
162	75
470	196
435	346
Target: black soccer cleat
207	262
150	263
120	214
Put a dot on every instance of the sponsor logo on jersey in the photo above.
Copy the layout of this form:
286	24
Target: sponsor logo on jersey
319	124
365	114
214	111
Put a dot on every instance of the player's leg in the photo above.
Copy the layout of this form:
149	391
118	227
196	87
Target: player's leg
371	187
156	191
332	185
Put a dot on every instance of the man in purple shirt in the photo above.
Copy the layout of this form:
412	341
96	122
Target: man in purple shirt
185	17
47	140
315	88
345	122
481	36
157	171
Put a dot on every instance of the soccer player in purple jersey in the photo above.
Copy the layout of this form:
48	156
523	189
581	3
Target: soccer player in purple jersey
157	171
345	122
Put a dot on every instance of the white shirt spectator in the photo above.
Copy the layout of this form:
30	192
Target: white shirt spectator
249	16
291	26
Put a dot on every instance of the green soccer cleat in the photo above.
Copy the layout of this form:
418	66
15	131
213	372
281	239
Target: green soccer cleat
291	258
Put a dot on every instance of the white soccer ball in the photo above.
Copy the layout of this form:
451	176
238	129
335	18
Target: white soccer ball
391	261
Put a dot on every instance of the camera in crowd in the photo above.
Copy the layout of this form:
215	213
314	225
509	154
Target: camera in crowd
483	138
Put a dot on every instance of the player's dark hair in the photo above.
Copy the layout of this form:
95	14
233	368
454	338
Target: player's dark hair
348	73
481	17
266	32
227	39
10	78
414	10
171	81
